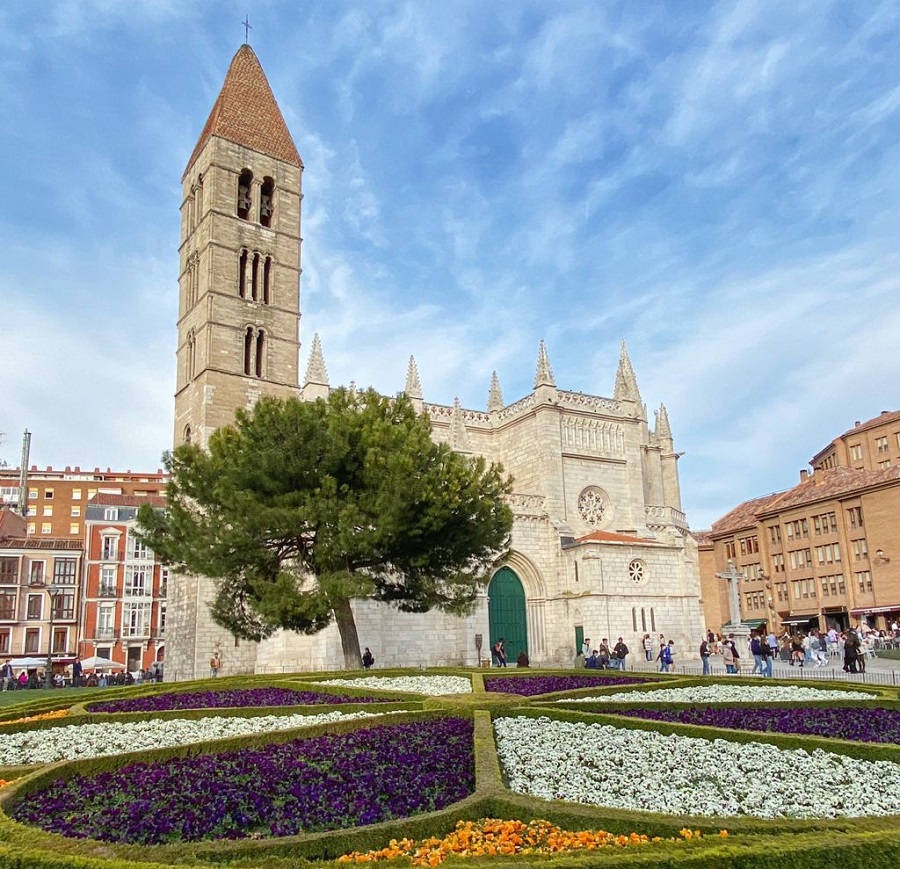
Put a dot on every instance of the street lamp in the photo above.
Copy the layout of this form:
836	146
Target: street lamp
53	591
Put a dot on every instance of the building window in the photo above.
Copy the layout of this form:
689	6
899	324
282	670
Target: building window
637	572
136	619
267	280
9	571
63	606
74	528
749	545
36	573
48	510
885	464
825	523
804	588
856	517
31	511
882	444
76	494
137	549
32	637
864	580
4	642
136	581
7	605
829	553
775	533
778	562
242	274
107	581
730	550
110	547
75	510
30	529
254	351
164	581
254	278
35	606
60	640
266	201
856	452
860	550
106	622
191	355
245	180
32	494
800	558
111	514
48	494
64	571
162	619
46	528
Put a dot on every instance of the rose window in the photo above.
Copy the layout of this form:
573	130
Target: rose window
637	571
592	505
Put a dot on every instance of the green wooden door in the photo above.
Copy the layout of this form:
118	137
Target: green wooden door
506	613
579	639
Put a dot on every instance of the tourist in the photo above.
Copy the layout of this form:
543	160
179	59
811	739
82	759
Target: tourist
368	659
664	656
797	653
214	665
522	659
77	672
604	654
851	652
619	654
766	654
592	662
499	653
586	647
7	675
705	652
728	658
756	644
647	643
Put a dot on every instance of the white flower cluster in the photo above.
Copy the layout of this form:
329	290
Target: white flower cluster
734	693
431	685
78	741
642	770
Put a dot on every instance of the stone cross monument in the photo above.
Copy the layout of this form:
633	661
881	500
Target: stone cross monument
741	632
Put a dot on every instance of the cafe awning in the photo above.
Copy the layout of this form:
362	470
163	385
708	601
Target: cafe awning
799	619
753	623
874	610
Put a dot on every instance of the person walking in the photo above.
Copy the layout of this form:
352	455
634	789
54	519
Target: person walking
214	665
705	652
619	654
499	653
647	643
368	659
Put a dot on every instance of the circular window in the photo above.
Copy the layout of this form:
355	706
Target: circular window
637	571
593	505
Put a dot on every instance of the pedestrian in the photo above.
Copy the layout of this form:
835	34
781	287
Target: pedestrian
368	659
728	658
664	656
499	653
604	654
7	675
705	652
619	654
214	665
522	659
77	672
586	647
647	643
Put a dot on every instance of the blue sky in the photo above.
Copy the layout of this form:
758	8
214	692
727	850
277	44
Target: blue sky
716	183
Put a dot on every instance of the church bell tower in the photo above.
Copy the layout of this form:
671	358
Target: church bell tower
239	278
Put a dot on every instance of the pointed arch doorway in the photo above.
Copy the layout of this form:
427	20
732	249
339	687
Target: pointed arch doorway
506	613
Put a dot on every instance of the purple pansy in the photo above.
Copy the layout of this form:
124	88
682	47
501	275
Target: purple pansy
529	686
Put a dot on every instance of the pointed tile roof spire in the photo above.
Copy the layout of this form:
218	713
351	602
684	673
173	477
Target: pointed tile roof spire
246	113
459	437
544	374
495	396
663	430
626	382
413	388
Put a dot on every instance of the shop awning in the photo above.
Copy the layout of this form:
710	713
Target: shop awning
799	619
873	610
753	623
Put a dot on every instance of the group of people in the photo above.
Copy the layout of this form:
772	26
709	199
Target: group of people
498	655
74	677
604	657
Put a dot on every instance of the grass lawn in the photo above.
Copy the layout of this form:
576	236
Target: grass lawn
64	695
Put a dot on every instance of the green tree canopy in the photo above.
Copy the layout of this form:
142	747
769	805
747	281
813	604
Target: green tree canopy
300	507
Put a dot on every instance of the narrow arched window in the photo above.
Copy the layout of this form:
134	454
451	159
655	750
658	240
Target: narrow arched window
652	620
242	274
198	201
643	619
267	280
195	279
266	201
245	182
260	350
248	350
634	618
191	355
254	279
187	434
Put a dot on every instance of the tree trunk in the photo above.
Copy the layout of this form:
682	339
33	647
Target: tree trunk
343	615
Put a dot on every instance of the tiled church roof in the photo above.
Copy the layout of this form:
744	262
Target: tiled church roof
247	114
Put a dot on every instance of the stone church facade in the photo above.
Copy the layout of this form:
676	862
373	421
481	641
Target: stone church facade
600	545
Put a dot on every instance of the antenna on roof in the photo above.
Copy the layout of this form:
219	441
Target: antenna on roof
247	28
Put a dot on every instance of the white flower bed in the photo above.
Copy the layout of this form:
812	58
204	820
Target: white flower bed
78	741
431	685
639	769
734	693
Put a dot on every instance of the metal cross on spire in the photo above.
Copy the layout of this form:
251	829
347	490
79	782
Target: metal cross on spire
247	28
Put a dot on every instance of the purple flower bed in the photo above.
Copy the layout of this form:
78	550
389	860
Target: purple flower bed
529	686
235	698
869	725
320	783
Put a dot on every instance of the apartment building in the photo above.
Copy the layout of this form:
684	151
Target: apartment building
56	500
123	606
823	553
40	579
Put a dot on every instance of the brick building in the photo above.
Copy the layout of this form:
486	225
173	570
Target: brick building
825	552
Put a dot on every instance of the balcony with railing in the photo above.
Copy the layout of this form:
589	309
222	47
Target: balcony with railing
106	633
107	591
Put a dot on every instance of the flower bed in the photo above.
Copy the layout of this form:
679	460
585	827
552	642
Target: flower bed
77	741
530	686
601	765
728	694
491	837
434	686
229	699
875	725
321	783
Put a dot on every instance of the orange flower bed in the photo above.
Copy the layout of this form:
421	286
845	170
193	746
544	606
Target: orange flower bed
44	716
491	837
